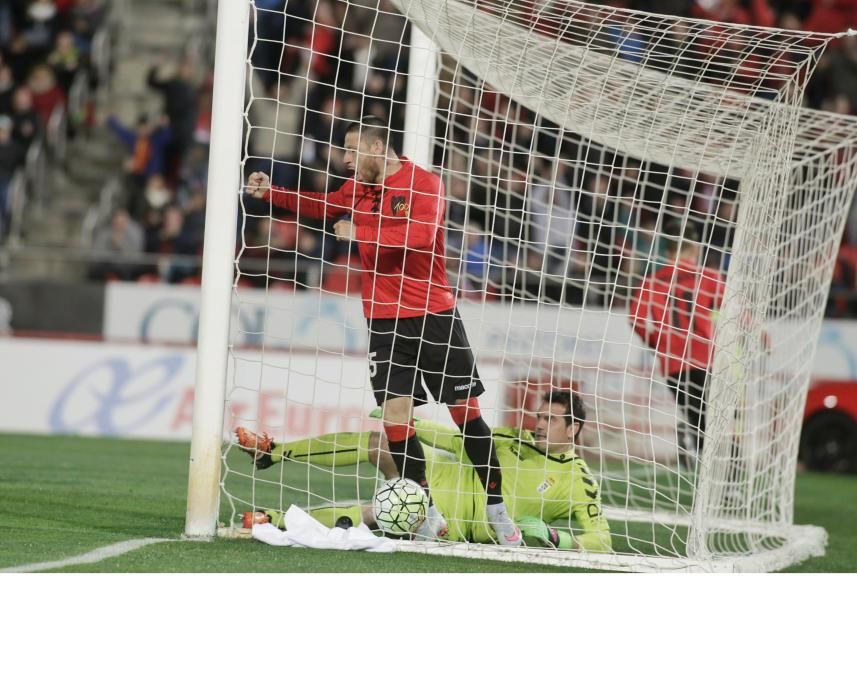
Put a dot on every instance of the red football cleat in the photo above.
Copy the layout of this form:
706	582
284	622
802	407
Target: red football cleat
250	518
257	446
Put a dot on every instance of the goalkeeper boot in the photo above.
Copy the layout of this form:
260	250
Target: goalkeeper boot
434	527
257	446
251	518
275	517
508	534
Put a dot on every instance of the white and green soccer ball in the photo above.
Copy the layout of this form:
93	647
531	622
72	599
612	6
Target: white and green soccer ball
400	506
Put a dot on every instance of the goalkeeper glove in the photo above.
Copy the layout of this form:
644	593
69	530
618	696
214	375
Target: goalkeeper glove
537	533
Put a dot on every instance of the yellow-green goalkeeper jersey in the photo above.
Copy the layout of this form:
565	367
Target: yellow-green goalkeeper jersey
550	487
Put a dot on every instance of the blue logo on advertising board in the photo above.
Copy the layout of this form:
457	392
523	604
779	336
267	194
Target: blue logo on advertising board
112	397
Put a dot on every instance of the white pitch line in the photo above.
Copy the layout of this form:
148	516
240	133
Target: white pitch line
93	557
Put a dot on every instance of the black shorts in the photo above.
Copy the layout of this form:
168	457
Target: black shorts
409	355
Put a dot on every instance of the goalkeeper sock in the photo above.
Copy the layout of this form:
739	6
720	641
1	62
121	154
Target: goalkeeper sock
329	516
331	450
407	453
479	447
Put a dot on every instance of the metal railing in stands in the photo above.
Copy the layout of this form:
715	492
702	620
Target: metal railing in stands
91	221
273	270
102	56
56	135
17	198
35	168
99	215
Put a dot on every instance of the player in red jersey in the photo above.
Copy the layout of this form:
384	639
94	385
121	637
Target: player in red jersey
394	210
674	313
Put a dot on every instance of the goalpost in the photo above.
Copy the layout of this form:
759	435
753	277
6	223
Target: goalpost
568	137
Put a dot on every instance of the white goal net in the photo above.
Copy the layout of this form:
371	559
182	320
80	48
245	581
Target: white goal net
594	160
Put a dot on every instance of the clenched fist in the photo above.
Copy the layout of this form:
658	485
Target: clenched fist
258	184
345	230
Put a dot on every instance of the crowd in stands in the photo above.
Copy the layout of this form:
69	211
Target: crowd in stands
509	230
162	215
45	45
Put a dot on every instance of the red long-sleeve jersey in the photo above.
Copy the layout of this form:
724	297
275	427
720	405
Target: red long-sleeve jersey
399	235
673	313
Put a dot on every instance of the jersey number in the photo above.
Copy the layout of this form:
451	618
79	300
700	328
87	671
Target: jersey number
373	364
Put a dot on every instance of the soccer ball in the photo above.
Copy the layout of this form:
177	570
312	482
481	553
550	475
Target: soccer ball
400	506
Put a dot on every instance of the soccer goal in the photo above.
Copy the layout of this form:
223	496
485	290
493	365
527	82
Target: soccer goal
579	146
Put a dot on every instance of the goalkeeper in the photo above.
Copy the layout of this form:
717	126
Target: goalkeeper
545	480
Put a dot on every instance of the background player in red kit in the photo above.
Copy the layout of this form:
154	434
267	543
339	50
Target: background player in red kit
394	210
674	312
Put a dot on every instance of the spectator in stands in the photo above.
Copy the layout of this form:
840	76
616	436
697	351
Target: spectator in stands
275	132
7	24
65	60
7	88
838	104
157	196
604	219
180	103
457	202
85	17
146	145
176	239
268	50
322	43
553	218
757	12
629	42
319	131
26	127
843	285
842	63
831	16
47	95
851	224
154	202
474	260
507	215
202	126
40	27
118	247
193	176
11	158
193	209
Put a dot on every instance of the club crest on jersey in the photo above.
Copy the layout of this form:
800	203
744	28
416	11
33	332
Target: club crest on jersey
400	206
545	485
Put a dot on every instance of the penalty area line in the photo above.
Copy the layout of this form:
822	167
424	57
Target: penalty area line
93	557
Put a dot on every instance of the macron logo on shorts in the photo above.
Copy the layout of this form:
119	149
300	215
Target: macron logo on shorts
462	387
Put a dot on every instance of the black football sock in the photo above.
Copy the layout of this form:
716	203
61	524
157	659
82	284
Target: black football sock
480	449
411	460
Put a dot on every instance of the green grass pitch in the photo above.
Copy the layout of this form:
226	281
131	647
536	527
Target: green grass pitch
64	496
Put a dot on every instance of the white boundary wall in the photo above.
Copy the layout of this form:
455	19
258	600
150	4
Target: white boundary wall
170	314
113	389
135	388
